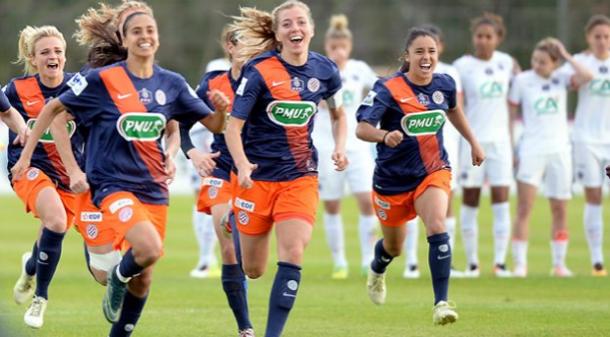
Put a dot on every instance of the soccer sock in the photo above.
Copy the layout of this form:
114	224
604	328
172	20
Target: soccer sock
335	238
283	295
233	281
594	230
439	259
382	258
206	238
132	309
501	212
235	237
450	226
49	252
128	267
470	233
520	253
366	231
30	264
410	245
559	248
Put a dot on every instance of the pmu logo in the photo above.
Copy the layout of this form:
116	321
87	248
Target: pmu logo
546	106
491	89
600	87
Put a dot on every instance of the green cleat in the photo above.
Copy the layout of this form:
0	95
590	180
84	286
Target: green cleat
113	299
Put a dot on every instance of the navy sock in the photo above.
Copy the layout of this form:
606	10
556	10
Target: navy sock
235	236
128	266
30	265
132	309
49	252
233	280
439	258
283	295
382	258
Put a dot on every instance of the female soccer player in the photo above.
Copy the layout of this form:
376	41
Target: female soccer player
44	188
544	148
357	78
591	132
125	107
276	181
486	76
412	175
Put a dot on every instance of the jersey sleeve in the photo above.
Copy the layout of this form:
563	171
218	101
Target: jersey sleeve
334	83
250	87
82	97
202	89
514	93
189	108
374	105
4	103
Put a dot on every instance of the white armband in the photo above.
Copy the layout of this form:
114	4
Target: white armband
335	101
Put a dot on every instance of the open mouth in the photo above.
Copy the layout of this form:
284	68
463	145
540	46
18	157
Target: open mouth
296	39
426	66
145	45
53	66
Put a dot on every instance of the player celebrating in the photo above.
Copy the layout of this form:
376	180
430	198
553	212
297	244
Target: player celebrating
412	173
357	78
276	181
486	76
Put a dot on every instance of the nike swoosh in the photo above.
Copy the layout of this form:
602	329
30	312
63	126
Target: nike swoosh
406	99
385	259
119	96
443	257
275	84
30	103
288	295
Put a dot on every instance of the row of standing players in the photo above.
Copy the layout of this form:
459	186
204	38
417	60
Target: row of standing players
275	181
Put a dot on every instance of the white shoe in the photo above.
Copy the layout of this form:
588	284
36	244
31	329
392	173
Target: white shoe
472	271
456	273
203	272
376	287
520	271
444	313
34	316
501	271
411	272
561	271
246	333
26	284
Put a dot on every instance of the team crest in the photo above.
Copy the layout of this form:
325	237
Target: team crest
313	84
297	84
382	214
145	96
423	99
162	99
213	192
243	218
438	97
125	214
92	231
33	174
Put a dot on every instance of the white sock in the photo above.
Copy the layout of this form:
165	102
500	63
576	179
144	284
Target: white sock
450	226
501	228
206	238
335	238
559	249
520	253
366	229
410	245
470	233
594	231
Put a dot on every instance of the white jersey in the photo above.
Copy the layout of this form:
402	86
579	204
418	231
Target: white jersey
449	131
544	107
218	64
486	84
592	123
356	77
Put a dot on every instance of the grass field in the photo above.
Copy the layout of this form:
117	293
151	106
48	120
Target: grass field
181	306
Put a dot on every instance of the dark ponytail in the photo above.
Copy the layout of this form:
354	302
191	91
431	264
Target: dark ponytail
414	33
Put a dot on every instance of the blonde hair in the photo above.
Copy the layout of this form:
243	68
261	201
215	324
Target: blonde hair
27	44
549	46
230	35
257	28
339	28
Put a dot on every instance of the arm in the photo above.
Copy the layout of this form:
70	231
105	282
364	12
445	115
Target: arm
581	75
339	125
216	121
457	118
172	144
15	122
369	133
236	148
78	180
203	162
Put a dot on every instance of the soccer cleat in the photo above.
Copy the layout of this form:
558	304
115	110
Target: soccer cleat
26	284
411	272
34	316
472	271
599	270
376	287
203	272
561	271
246	333
112	304
340	273
520	271
454	273
444	313
501	271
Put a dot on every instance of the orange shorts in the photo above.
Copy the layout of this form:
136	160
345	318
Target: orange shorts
32	182
89	222
213	191
123	210
396	210
257	208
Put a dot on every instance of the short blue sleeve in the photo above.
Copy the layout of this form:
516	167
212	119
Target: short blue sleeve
374	105
189	108
4	103
451	92
334	83
250	87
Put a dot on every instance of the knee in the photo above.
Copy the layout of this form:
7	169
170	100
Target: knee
148	253
436	227
293	254
55	222
254	272
100	276
392	247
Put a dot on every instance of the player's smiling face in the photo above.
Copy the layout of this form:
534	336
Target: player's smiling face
598	39
49	57
294	30
141	37
422	56
542	63
485	40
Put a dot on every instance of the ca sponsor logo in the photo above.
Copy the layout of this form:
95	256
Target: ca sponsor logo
141	126
244	204
115	206
33	174
491	89
546	106
423	123
92	231
91	216
47	137
291	113
600	87
381	203
348	97
243	218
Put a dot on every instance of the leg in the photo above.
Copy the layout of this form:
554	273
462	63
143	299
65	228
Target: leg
255	253
559	237
526	197
410	247
102	259
335	235
594	226
133	304
501	227
206	240
470	228
367	224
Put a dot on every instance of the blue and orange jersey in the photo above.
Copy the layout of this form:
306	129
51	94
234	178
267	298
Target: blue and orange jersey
4	103
277	101
126	118
28	95
223	81
419	113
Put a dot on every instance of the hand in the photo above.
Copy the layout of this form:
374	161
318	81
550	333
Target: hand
561	48
219	100
78	181
393	138
20	167
478	155
204	163
170	168
22	137
340	160
243	175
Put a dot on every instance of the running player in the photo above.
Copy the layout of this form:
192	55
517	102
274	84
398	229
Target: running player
544	148
44	188
125	106
357	78
451	141
412	175
276	179
486	76
591	132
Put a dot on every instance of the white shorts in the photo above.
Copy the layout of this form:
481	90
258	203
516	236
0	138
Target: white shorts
554	170
497	167
590	161
358	174
451	142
